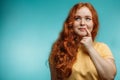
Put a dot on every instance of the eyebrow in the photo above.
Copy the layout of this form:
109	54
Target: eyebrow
89	16
77	16
85	16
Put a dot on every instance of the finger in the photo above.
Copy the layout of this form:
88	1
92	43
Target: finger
84	37
88	32
82	41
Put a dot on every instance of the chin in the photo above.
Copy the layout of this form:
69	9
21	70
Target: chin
83	34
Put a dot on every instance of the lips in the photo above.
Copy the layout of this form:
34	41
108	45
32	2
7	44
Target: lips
81	29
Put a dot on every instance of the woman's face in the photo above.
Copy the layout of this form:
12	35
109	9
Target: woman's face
83	20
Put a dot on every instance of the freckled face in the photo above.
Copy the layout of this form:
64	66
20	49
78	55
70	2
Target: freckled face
83	20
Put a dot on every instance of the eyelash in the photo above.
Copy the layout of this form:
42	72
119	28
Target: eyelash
78	18
88	18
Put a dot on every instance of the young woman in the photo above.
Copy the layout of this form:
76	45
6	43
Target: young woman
76	55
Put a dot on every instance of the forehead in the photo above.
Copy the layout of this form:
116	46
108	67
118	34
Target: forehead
83	11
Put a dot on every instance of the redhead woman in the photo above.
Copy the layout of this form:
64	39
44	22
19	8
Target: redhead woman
76	55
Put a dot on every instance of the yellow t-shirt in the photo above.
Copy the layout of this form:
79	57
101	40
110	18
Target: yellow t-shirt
83	68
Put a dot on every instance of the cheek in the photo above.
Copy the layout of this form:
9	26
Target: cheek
75	24
90	28
75	28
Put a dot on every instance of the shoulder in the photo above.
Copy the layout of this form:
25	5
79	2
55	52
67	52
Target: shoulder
103	49
100	45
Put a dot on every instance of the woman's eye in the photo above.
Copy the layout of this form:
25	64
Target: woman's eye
77	18
88	19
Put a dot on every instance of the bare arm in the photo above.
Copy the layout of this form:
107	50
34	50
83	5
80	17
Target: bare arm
105	67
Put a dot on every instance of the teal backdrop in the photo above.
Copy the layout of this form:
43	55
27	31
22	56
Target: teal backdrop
28	28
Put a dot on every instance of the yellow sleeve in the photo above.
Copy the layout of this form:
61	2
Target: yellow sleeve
105	51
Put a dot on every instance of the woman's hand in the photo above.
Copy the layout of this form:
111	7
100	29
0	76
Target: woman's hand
87	41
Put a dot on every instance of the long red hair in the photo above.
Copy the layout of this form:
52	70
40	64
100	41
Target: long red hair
64	50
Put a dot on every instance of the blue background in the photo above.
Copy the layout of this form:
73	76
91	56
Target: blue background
28	29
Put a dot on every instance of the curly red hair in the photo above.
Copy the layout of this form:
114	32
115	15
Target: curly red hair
64	50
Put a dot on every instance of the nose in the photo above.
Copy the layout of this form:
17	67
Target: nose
82	23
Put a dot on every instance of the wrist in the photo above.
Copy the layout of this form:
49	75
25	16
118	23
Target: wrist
90	48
